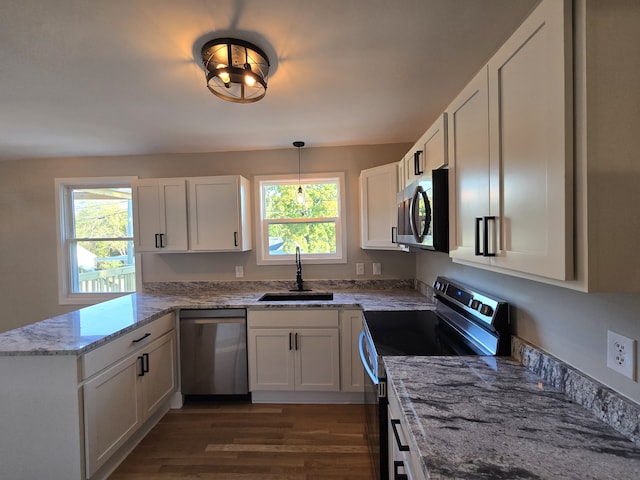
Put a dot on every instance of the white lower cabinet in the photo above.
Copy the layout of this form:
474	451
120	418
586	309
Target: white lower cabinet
127	381
404	462
294	350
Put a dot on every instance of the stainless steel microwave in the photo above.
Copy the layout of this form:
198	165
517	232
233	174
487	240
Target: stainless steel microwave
423	212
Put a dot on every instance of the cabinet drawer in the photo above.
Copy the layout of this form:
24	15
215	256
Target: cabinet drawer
113	351
298	318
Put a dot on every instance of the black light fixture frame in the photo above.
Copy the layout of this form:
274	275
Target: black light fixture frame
236	71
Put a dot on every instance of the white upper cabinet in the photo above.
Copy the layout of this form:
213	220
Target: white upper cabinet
510	153
531	150
160	215
192	214
434	146
219	217
468	123
378	212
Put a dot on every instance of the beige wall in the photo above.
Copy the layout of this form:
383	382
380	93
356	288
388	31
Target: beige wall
28	260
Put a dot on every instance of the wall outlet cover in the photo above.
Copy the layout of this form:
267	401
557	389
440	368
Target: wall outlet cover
359	268
377	269
239	271
621	354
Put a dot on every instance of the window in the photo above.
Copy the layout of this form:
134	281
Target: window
95	239
313	222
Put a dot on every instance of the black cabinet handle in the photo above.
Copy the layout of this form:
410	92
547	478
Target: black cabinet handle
157	240
394	426
162	243
290	335
416	163
145	363
296	341
394	238
397	475
477	236
235	239
141	365
486	221
141	338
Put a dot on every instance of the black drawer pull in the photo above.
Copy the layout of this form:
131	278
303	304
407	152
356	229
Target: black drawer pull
394	425
396	474
141	338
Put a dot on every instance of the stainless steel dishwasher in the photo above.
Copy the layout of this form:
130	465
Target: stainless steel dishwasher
213	352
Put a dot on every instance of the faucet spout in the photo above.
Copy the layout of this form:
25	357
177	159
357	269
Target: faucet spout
299	280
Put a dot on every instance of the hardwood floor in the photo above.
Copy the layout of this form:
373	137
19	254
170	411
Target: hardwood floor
246	441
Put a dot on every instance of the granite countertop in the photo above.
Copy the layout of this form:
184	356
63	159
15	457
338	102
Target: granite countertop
79	331
491	418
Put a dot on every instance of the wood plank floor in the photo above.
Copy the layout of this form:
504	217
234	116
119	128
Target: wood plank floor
246	441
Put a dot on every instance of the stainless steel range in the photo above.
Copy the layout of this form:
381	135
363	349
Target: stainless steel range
464	322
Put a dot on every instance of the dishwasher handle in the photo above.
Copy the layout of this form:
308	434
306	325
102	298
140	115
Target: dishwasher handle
210	321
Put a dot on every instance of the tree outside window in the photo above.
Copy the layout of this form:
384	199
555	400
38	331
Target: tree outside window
312	222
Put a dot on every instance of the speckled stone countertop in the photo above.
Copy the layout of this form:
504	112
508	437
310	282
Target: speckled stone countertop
79	331
491	418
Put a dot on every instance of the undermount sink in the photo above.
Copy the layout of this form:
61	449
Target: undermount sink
296	296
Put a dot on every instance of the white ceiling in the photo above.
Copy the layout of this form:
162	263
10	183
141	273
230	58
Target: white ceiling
118	77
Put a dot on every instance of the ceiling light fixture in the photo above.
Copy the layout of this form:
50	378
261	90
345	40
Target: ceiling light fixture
300	195
236	70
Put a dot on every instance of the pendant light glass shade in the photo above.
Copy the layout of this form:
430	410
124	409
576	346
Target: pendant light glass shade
236	70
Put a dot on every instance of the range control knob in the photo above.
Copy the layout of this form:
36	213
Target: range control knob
485	310
475	304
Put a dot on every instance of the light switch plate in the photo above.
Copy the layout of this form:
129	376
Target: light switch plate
377	269
239	271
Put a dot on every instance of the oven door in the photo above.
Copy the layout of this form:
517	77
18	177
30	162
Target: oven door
375	404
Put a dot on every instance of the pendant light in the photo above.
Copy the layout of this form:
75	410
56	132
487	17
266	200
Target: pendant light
300	195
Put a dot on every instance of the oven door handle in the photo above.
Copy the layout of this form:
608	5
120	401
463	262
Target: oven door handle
364	360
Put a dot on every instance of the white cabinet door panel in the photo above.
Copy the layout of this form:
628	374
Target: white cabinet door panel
317	359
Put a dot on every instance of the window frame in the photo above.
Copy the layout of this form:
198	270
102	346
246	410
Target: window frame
65	231
262	236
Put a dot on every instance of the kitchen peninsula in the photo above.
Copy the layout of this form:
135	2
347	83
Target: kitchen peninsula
102	376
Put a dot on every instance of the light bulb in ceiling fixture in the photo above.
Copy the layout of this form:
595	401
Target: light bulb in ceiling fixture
224	76
300	196
249	79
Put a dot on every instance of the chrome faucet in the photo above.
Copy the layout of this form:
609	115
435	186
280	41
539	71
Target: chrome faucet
299	280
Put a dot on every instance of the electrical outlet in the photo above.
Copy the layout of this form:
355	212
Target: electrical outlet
377	269
359	268
239	271
621	354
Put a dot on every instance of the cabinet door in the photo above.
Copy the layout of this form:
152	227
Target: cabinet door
160	215
434	152
271	359
146	217
531	144
159	380
317	366
112	410
401	175
351	369
378	210
468	132
173	214
214	213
